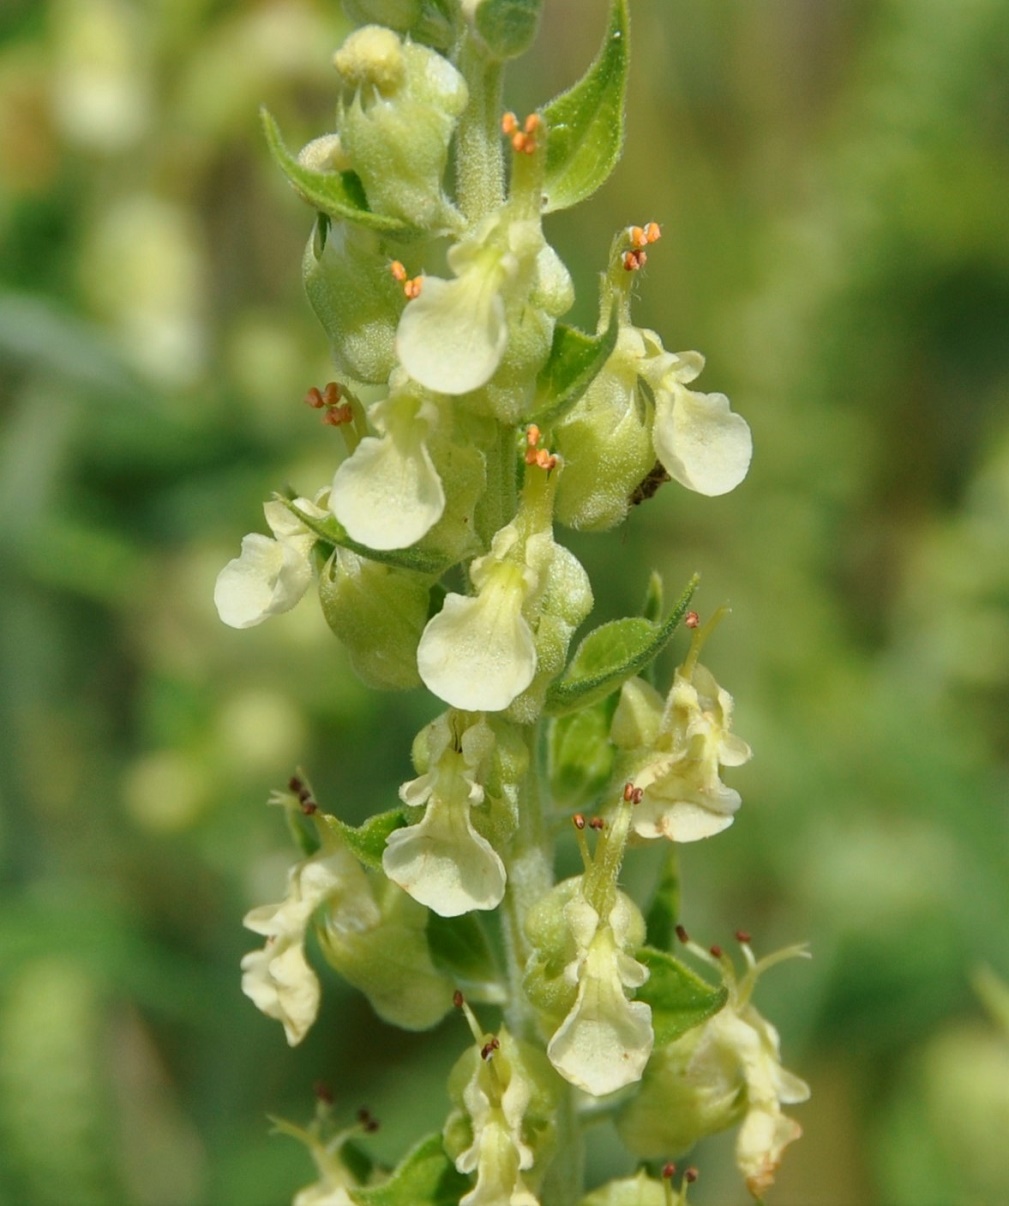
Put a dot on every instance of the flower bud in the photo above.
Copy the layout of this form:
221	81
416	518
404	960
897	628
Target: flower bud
378	612
397	127
356	299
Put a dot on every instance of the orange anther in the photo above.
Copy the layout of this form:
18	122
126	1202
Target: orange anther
545	460
637	236
692	619
633	260
533	434
398	271
413	287
315	399
532	123
509	124
331	394
653	232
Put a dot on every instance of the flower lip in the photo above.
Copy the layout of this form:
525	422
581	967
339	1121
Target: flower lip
478	653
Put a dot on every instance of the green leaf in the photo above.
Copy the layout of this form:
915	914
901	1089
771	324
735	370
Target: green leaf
460	947
424	1177
574	363
664	911
331	532
586	124
367	841
508	27
679	998
336	194
581	754
611	654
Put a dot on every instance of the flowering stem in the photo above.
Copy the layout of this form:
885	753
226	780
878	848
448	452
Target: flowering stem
496	507
529	863
479	161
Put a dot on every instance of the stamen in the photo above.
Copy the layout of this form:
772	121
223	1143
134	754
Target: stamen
692	619
634	260
578	820
743	936
315	399
411	286
690	1175
597	823
488	1049
323	1092
682	934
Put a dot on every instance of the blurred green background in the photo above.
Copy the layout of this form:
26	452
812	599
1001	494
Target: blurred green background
832	181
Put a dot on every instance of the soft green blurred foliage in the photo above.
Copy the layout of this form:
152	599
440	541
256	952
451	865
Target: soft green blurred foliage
832	183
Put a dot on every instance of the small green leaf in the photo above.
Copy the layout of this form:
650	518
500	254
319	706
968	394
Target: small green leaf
331	532
367	841
586	123
664	911
508	27
611	654
574	363
336	194
460	947
679	998
424	1177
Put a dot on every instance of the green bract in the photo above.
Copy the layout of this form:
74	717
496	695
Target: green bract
586	123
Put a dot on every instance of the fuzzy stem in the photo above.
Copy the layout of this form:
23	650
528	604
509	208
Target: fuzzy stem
479	159
530	864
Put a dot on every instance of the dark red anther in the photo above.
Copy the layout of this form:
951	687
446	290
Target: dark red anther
637	795
690	1174
682	934
628	792
331	394
692	619
295	785
488	1049
315	399
743	936
578	820
367	1120
597	823
716	950
458	999
323	1092
308	807
668	1169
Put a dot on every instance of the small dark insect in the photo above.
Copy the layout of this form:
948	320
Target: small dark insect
649	484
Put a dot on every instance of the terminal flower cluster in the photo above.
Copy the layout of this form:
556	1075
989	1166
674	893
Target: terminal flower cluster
472	425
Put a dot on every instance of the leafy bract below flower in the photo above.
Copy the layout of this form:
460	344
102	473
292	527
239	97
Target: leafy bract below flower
442	861
278	978
271	575
478	653
388	494
727	1069
676	748
503	1122
452	337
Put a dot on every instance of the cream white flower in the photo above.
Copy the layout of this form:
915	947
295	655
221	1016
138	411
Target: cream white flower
700	441
726	1070
442	861
278	978
604	1042
452	337
388	494
271	575
504	1123
680	745
478	652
